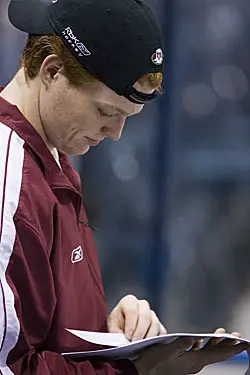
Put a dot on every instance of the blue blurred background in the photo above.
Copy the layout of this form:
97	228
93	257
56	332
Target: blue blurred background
171	199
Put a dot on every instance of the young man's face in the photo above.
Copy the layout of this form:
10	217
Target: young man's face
76	118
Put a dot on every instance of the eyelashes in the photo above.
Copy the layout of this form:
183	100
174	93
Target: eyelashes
104	114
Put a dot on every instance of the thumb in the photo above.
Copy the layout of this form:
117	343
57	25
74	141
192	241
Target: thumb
113	328
115	322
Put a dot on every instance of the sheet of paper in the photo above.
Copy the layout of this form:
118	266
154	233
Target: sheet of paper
122	348
101	338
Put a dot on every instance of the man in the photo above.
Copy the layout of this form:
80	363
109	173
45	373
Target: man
86	67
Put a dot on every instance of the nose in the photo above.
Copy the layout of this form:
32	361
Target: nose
114	131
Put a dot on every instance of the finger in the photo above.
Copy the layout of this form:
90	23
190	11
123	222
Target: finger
215	341
197	345
163	330
170	351
230	351
155	355
144	321
181	344
226	342
218	353
220	330
130	310
241	347
154	329
236	334
115	322
231	342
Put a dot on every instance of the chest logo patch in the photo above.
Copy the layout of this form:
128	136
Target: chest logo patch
77	255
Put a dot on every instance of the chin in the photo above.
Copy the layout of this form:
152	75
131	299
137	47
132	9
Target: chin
82	152
75	150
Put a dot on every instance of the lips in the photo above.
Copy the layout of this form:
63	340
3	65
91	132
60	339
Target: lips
93	142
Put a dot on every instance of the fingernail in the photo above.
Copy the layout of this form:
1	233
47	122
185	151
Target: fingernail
222	330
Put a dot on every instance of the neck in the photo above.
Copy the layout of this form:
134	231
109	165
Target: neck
25	96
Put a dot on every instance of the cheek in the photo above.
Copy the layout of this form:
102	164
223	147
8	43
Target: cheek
68	117
57	110
51	106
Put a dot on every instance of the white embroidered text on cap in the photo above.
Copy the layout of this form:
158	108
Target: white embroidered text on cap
75	43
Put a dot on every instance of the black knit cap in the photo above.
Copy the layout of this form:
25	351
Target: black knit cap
118	41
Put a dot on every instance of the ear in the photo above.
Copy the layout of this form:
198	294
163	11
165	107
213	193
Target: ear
50	69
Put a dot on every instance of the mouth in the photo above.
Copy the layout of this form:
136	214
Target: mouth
93	142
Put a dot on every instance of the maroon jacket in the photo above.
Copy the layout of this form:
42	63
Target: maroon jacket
49	272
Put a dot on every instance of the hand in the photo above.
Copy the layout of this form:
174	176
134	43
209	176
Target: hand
174	359
135	319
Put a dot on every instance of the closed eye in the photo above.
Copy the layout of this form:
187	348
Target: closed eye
105	114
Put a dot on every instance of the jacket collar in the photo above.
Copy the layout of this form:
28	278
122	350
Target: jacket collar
66	177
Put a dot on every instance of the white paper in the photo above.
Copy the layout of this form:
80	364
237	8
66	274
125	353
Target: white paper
100	338
122	348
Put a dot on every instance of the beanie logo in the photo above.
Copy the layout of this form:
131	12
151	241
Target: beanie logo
158	57
75	43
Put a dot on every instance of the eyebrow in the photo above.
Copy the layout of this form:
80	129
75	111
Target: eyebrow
124	113
117	109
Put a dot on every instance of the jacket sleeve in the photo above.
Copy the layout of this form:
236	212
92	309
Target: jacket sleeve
28	316
49	363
